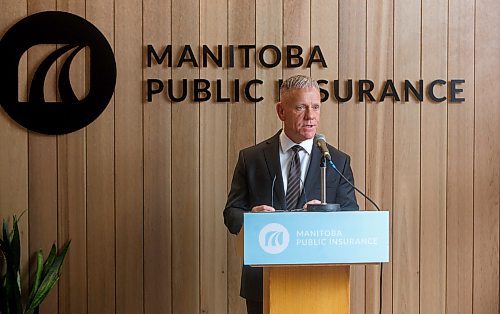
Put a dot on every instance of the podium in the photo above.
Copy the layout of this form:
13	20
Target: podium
306	256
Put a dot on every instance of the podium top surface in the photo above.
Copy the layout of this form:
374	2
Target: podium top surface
296	238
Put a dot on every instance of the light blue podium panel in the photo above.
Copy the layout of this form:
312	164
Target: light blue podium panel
291	238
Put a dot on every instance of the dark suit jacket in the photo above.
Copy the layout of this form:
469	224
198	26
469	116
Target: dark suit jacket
252	186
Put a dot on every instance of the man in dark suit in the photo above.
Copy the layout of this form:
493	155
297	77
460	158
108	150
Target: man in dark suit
289	161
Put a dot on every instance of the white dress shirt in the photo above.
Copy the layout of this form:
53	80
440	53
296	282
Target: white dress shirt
286	154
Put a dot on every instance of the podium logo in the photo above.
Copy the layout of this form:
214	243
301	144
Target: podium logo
274	238
72	34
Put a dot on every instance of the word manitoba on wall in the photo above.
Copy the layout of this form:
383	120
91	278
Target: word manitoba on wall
270	56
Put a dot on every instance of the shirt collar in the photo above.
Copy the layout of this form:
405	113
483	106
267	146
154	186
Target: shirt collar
286	143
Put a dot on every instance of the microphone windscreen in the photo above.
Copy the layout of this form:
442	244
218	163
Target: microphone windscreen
319	137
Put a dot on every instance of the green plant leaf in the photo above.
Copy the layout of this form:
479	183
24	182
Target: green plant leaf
43	291
12	244
46	276
52	275
11	279
50	260
38	275
5	238
15	246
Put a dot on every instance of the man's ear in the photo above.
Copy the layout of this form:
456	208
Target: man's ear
280	111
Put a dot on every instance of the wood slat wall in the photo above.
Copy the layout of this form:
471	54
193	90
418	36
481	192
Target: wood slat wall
129	159
140	191
433	162
379	139
406	167
42	168
213	168
157	171
100	224
460	162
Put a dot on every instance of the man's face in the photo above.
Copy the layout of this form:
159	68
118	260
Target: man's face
299	109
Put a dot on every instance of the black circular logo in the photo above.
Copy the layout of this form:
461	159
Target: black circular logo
71	33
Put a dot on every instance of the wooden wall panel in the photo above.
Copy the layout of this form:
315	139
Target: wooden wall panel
146	223
241	128
14	156
486	160
157	167
379	138
352	53
185	169
433	161
406	199
101	248
129	158
297	31
268	31
213	167
42	173
72	221
71	152
460	165
324	33
43	200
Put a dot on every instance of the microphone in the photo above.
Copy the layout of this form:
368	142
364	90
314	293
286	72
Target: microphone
320	141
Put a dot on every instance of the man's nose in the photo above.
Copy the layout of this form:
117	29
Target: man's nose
309	113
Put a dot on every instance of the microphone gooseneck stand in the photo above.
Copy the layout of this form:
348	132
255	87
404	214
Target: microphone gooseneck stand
324	206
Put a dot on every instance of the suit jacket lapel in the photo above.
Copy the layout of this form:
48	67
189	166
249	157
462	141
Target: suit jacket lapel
272	156
313	174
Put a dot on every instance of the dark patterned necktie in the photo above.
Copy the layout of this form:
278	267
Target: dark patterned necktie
293	186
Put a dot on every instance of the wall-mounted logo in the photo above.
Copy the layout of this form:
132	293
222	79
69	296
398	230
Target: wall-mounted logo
71	33
274	238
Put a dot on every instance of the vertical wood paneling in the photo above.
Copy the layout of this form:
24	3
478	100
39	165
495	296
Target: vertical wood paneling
486	160
241	128
43	201
185	168
213	167
324	33
434	164
269	16
433	161
129	158
71	190
297	31
459	193
72	221
100	174
352	53
379	138
157	168
42	173
406	199
14	152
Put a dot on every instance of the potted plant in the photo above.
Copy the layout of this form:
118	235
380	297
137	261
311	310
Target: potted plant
46	276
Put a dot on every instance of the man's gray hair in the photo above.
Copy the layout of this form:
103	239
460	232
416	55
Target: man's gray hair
297	82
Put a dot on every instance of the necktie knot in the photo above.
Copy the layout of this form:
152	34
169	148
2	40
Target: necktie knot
296	148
